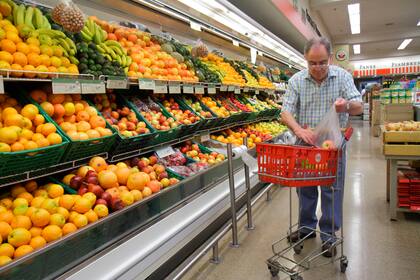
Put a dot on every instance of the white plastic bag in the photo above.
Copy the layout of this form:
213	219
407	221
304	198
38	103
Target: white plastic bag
327	132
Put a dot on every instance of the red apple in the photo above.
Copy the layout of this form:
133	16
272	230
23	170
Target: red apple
82	190
96	189
76	182
328	144
107	197
101	201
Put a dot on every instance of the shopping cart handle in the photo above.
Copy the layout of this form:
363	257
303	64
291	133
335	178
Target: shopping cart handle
348	133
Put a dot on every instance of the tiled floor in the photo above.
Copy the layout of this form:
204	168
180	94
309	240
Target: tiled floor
376	247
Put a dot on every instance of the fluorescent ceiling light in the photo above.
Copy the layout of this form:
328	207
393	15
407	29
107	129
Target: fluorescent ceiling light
356	49
195	26
354	16
404	44
235	43
418	23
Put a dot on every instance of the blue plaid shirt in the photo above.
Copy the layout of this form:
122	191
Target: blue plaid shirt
309	102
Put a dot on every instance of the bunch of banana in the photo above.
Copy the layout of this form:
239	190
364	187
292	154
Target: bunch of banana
93	32
31	17
213	67
112	50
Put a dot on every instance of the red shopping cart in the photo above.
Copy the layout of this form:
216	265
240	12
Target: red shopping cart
297	167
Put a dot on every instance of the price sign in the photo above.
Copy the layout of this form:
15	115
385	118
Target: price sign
223	88
231	88
165	151
211	89
205	137
146	84
92	87
174	87
237	90
257	91
66	86
117	83
246	89
199	89
160	87
1	85
188	88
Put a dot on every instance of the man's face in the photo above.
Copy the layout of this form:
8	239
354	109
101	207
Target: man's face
318	60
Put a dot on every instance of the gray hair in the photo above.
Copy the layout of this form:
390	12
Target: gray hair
318	41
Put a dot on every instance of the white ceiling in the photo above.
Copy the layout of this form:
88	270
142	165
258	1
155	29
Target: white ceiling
384	25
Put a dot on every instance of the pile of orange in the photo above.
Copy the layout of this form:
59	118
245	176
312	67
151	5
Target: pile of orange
74	115
15	54
24	128
32	216
231	77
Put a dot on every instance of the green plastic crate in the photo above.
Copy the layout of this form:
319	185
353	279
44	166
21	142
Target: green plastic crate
66	188
207	123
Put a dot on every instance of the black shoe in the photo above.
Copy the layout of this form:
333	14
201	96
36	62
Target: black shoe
294	236
330	251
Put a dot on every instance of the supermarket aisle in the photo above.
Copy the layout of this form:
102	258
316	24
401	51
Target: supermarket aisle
376	247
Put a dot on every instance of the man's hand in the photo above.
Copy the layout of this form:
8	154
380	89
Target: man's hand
340	105
306	135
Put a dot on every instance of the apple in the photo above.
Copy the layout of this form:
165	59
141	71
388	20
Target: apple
153	160
116	204
82	190
76	182
96	189
328	144
101	201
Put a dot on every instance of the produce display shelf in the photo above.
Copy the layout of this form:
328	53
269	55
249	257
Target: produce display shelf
7	75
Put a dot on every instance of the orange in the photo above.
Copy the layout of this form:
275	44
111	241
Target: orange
40	217
27	134
35	231
6	57
73	69
48	108
80	221
58	51
14	37
37	242
45	61
59	111
20	58
57	219
34	59
16	147
16	70
92	134
82	205
26	196
22	250
8	46
4	260
83	126
42	143
101	210
29	111
29	74
30	145
50	205
82	116
37	135
54	138
51	233
5	229
64	212
55	61
67	126
6	202
29	211
83	136
30	186
20	201
5	147
91	216
65	61
22	47
98	164
73	135
18	237
21	222
72	215
6	250
55	190
33	41
52	69
97	121
48	128
46	50
91	111
67	228
66	201
39	119
34	49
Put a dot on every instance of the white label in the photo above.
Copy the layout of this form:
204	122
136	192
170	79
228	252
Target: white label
92	87
211	89
246	89
237	90
116	83
231	88
199	89
257	91
188	88
174	88
165	151
1	85
66	86
205	137
160	87
223	88
146	84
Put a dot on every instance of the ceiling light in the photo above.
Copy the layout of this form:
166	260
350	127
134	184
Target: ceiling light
356	49
235	43
354	16
404	44
418	23
195	26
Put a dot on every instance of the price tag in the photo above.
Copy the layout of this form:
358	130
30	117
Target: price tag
66	86
188	88
205	137
165	151
231	88
237	90
160	87
146	84
117	83
1	85
246	89
174	87
257	91
223	88
199	89
92	87
211	89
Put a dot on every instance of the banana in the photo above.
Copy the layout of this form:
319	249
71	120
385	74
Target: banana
118	59
107	56
20	16
74	60
11	3
101	49
117	50
38	20
45	23
113	43
64	44
71	43
129	60
29	14
87	31
86	37
104	35
123	60
90	26
65	53
45	40
126	70
14	13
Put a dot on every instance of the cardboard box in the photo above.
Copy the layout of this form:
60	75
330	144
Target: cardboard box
396	112
376	130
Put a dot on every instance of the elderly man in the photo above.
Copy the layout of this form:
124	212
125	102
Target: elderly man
311	93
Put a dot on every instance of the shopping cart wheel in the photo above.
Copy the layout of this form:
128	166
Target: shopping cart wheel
298	248
273	270
343	264
296	277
